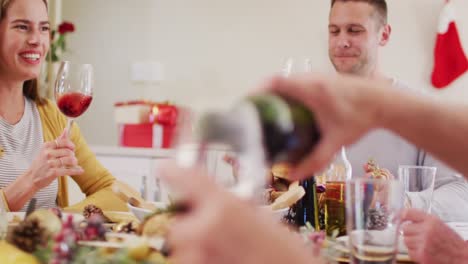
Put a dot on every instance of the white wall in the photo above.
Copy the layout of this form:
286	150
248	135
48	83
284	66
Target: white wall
214	51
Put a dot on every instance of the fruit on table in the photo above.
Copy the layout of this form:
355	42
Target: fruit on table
139	251
10	254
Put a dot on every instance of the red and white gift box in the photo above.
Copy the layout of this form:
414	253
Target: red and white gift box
146	124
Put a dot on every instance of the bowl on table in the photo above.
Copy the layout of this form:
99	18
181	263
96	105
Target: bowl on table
141	213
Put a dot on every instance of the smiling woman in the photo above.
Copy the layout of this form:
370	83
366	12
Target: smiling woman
30	87
36	152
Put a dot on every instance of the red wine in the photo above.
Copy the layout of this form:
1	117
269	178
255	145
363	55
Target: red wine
74	104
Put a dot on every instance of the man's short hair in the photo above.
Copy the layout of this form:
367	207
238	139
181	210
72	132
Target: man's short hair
379	5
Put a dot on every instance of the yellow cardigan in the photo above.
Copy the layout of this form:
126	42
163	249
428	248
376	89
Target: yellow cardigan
96	182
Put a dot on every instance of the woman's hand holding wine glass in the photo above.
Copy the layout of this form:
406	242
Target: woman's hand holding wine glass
73	93
56	158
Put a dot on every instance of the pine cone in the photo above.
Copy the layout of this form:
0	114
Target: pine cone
91	210
29	235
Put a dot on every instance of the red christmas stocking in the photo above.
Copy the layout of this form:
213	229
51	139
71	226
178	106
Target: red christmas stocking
449	59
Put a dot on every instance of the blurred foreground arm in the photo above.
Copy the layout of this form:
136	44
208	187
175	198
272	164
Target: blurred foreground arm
221	228
348	107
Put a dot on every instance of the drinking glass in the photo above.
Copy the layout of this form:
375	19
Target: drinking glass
294	65
419	186
74	90
373	218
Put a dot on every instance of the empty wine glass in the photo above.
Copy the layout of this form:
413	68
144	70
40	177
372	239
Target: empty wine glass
74	90
293	65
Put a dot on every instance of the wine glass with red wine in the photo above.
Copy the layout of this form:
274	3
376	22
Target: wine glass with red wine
74	89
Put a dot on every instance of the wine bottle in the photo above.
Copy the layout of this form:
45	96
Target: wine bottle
284	130
334	206
305	211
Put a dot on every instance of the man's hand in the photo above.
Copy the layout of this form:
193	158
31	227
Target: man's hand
430	241
345	109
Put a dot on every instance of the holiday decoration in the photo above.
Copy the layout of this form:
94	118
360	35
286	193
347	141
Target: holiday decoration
450	61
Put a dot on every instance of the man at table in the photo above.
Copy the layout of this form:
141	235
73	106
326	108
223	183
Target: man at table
358	29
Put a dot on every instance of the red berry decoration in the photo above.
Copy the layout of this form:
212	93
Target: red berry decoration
66	242
94	229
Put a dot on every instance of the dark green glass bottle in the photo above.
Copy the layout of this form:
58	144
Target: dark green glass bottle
306	210
289	129
283	128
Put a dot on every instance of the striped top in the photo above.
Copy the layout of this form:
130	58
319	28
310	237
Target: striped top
21	144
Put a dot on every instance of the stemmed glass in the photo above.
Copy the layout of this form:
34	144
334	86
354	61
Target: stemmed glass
293	65
74	89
